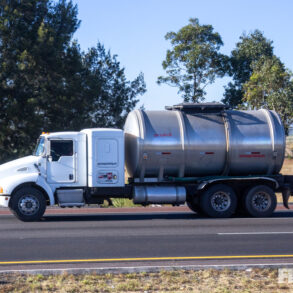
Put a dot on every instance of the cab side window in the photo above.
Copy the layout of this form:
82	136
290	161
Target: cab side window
61	148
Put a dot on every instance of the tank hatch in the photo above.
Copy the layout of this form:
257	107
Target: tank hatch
191	108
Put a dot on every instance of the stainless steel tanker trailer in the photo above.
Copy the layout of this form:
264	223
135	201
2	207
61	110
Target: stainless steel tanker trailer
218	161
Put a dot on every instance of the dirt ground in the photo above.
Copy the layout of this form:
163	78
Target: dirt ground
287	167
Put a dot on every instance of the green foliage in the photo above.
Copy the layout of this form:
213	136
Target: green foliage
122	203
47	83
260	80
270	86
194	61
111	96
249	50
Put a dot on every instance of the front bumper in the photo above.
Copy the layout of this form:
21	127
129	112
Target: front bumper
4	201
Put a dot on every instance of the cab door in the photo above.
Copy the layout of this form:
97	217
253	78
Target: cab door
61	167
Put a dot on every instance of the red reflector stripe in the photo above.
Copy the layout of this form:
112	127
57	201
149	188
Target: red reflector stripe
166	153
209	153
252	156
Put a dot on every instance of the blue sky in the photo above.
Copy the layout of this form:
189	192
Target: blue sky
135	30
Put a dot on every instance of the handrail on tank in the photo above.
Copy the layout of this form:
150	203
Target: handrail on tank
191	108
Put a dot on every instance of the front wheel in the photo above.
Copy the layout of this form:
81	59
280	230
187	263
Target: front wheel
28	204
219	201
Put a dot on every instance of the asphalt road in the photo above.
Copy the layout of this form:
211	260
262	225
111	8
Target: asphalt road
144	238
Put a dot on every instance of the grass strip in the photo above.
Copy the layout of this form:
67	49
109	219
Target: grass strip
210	280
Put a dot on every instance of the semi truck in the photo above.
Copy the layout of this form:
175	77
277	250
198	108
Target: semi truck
216	160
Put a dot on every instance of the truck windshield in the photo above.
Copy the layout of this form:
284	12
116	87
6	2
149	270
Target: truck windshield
40	147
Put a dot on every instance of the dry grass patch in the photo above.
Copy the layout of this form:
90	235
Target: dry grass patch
210	281
287	169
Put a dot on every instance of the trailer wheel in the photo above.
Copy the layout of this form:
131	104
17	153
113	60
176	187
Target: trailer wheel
260	201
194	207
28	204
219	201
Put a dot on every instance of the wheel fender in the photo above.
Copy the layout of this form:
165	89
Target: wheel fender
203	184
43	184
10	183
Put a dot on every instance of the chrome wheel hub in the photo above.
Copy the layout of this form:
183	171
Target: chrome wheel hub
261	201
28	205
220	201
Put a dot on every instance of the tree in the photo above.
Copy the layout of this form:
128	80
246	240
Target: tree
34	38
194	61
47	83
250	49
270	86
110	95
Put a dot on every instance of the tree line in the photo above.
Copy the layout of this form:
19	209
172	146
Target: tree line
48	84
258	77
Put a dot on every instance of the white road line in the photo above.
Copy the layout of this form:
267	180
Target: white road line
254	233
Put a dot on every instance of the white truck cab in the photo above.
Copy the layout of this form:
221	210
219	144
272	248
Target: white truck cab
62	167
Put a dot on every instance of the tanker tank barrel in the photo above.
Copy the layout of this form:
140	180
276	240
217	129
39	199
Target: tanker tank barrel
196	140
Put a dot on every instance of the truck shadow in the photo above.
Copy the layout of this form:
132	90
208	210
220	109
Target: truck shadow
143	217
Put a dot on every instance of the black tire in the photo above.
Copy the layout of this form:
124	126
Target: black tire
219	201
28	204
260	201
194	207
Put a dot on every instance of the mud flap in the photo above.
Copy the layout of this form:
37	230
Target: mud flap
286	192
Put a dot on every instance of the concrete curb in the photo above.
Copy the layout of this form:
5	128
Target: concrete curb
97	211
146	269
94	210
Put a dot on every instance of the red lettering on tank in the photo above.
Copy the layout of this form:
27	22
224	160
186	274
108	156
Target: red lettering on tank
162	134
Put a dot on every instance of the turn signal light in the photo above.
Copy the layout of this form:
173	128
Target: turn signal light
1	189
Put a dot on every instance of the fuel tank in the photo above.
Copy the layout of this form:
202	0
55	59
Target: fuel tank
189	140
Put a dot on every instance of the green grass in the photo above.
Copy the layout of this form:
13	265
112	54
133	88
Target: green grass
122	203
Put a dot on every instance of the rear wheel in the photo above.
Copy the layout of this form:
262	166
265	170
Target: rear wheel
194	207
28	204
260	201
219	201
